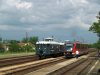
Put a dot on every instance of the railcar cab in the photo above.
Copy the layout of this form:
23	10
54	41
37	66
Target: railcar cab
71	48
48	39
68	49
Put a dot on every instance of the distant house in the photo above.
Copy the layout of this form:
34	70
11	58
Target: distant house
4	47
21	44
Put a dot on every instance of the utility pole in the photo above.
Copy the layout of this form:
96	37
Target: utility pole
26	36
74	35
0	38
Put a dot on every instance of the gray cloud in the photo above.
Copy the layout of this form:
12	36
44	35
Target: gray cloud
95	1
47	15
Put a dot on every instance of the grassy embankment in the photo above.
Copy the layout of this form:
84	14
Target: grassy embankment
8	54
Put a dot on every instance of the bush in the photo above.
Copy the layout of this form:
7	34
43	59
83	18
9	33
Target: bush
28	48
2	50
98	45
14	47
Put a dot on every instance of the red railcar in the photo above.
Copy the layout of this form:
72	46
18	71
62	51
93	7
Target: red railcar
70	50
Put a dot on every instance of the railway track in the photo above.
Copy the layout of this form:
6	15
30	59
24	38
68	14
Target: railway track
57	69
75	68
92	69
16	60
28	67
22	66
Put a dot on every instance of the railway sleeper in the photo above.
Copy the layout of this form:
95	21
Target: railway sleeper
67	68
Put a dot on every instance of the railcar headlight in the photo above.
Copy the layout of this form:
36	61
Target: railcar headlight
71	48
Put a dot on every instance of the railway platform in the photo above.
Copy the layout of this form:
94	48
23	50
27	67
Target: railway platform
84	66
93	68
96	70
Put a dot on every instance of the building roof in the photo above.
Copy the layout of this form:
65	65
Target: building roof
24	44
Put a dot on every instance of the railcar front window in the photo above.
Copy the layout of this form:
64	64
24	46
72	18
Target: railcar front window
69	47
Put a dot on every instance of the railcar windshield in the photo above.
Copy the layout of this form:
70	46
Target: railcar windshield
69	48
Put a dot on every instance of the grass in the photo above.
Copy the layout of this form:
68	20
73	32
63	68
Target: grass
6	55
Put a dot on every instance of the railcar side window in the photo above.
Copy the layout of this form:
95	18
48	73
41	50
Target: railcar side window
48	45
78	46
52	46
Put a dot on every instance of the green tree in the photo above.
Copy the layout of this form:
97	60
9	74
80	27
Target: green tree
33	39
98	44
0	39
1	48
25	40
28	48
13	41
95	28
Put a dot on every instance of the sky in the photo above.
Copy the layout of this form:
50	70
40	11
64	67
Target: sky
63	19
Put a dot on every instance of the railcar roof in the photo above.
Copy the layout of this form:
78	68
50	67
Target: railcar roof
49	42
69	44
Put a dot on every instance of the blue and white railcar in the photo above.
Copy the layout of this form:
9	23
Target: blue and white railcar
49	47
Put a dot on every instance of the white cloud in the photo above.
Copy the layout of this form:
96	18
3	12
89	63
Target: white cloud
23	5
84	1
4	27
14	28
77	3
29	19
79	23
